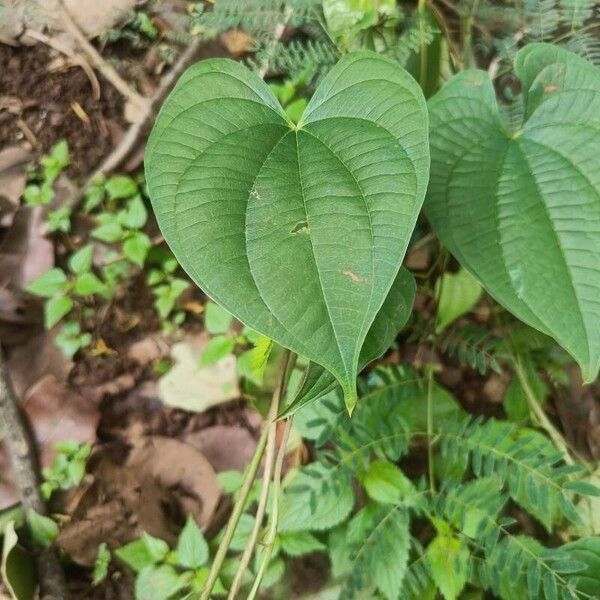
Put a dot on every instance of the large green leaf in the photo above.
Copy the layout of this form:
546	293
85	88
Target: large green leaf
389	321
521	210
297	230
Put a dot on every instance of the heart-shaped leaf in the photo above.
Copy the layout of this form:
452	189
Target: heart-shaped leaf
521	210
297	230
389	321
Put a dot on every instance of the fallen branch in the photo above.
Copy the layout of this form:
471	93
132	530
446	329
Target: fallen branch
21	449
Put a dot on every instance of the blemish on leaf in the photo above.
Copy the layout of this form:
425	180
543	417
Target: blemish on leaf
254	192
352	276
550	88
301	227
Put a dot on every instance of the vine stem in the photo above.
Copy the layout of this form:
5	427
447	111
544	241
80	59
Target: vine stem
540	415
266	479
430	427
244	492
272	533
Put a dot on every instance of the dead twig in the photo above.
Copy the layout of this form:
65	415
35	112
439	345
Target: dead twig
97	61
137	129
76	58
20	446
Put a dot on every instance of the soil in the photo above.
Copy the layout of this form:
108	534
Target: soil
44	99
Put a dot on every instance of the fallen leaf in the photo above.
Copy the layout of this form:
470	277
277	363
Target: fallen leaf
57	412
38	357
151	489
148	349
13	176
25	253
191	388
225	447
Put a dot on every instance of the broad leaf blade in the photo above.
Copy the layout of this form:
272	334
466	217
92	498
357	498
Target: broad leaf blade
298	231
521	210
389	321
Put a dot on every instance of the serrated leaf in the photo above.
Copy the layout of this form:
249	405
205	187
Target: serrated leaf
192	549
49	283
120	186
136	248
299	543
216	349
158	583
520	210
81	261
101	564
298	231
135	215
386	483
143	552
55	309
88	284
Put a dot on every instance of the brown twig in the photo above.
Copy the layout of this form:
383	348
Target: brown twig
130	139
20	446
76	58
97	61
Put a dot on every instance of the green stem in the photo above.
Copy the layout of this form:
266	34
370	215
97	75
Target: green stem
537	410
244	492
430	427
272	533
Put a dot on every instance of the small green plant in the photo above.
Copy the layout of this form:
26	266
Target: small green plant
163	573
167	288
66	290
67	468
40	189
123	219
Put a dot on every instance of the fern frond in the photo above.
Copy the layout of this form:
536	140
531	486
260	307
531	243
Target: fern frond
419	32
526	463
256	17
585	44
575	13
475	346
312	56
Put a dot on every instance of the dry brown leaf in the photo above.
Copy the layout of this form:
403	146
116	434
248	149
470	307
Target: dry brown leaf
225	447
13	176
151	489
25	253
57	412
36	358
148	349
